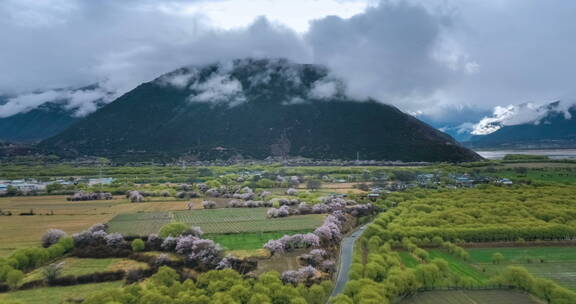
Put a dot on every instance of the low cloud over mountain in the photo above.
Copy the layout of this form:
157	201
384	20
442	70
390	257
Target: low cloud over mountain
526	113
252	108
80	102
425	57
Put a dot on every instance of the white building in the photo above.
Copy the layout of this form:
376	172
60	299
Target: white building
100	181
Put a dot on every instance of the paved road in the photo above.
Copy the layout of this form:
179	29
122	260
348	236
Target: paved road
346	252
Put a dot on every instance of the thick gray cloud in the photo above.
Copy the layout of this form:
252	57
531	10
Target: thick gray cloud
525	49
123	42
434	57
118	45
393	52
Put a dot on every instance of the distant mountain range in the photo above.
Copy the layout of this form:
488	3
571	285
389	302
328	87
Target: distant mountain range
552	126
43	114
252	109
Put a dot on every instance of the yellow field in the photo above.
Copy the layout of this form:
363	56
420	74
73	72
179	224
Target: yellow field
25	231
279	262
343	188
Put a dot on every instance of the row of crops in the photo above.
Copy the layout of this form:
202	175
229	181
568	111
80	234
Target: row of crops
233	220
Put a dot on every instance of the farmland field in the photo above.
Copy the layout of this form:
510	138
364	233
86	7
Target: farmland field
555	263
549	172
57	295
248	240
521	254
471	297
458	266
280	263
77	267
26	231
233	220
407	259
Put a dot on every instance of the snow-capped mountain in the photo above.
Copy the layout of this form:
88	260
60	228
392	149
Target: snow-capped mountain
528	125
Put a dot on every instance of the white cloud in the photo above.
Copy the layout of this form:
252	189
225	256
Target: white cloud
84	102
81	102
294	101
231	14
527	113
27	102
179	79
220	87
324	89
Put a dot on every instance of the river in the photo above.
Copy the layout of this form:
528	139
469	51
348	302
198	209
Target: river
552	154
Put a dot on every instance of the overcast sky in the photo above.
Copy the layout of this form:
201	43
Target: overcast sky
435	57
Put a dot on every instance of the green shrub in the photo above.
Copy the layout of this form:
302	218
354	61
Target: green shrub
173	229
52	271
67	243
138	245
14	277
497	258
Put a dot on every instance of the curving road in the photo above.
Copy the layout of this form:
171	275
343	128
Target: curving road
346	251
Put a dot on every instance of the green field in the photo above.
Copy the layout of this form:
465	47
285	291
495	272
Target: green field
471	297
248	240
555	263
57	295
407	259
562	273
459	266
556	172
78	267
518	255
215	221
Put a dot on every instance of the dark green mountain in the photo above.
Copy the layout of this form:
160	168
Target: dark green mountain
252	109
554	130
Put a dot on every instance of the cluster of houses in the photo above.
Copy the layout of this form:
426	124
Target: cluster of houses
23	186
34	186
293	161
468	181
433	180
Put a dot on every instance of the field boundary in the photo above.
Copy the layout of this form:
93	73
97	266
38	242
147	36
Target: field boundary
479	288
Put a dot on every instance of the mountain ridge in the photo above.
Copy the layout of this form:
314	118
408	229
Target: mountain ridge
253	108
